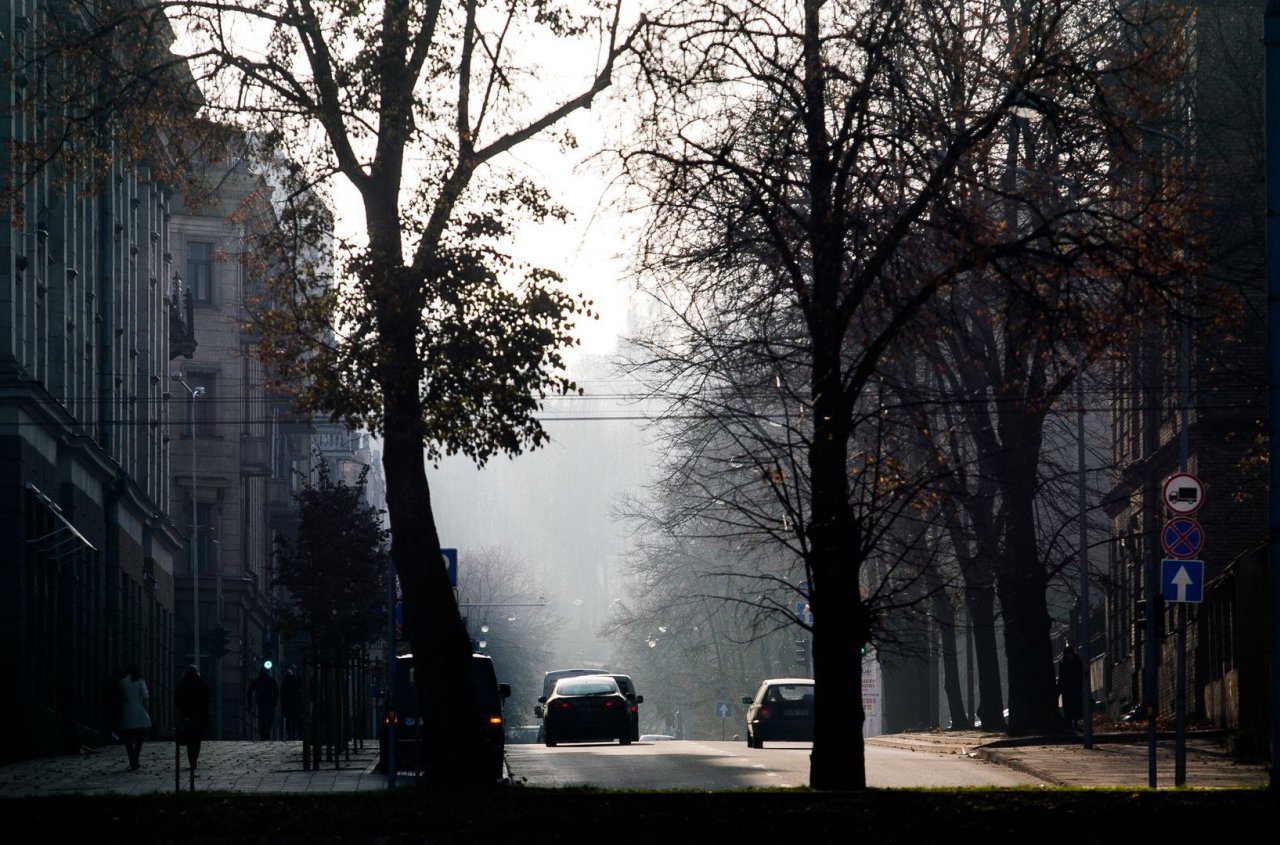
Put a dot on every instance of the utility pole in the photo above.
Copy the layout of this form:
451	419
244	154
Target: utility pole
193	534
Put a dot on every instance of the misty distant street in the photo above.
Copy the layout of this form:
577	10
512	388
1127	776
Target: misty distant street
731	765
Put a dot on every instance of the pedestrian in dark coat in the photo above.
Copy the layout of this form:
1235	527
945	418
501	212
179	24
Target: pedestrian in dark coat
291	705
191	699
135	700
263	694
1070	681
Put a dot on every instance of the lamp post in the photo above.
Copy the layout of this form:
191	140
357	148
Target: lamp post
193	392
220	649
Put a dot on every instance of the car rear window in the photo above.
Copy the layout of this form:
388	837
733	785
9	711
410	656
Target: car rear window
571	687
789	692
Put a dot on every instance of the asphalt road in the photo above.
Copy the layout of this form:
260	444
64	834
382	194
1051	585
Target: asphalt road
719	766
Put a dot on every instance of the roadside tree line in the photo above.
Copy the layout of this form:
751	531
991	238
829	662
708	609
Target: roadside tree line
888	236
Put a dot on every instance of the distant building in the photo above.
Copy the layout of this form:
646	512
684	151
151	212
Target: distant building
250	452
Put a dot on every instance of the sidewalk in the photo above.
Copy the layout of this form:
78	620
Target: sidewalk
1116	759
224	766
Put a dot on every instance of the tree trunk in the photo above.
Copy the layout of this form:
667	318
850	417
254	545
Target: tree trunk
980	599
977	569
945	616
1021	585
976	548
441	647
840	622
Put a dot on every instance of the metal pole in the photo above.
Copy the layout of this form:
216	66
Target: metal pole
389	753
195	533
1180	667
1180	700
1149	670
1082	648
217	661
1271	37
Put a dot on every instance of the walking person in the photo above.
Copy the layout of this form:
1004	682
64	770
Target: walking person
263	694
191	699
291	705
135	700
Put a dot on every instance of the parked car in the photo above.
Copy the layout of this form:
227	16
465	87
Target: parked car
549	683
780	711
628	688
489	696
585	708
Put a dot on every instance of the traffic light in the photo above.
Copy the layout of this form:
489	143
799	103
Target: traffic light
1139	621
219	641
802	653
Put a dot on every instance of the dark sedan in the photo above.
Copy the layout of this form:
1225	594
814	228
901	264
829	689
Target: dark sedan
781	710
589	708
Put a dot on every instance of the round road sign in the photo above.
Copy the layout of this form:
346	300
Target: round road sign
1183	493
1182	537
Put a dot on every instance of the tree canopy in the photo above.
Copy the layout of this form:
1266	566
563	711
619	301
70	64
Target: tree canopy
336	570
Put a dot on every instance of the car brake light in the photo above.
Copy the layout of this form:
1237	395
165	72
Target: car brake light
633	708
563	705
764	712
609	702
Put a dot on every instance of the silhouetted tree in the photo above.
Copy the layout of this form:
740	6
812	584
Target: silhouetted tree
817	174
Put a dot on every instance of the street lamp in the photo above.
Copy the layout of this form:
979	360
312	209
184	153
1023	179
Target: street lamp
176	376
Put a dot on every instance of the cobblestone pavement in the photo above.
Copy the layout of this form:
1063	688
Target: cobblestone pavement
231	766
1114	761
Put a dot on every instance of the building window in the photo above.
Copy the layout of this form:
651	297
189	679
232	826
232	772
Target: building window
200	270
206	406
203	548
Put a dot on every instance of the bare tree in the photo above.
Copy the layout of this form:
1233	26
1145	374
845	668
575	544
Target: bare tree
505	608
840	164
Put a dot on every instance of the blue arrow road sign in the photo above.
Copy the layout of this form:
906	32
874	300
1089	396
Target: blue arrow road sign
1182	581
451	564
723	710
1182	536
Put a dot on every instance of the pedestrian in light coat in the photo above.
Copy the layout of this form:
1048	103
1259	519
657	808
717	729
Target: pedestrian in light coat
135	700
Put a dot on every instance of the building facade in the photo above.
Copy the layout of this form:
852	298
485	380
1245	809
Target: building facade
88	304
1220	145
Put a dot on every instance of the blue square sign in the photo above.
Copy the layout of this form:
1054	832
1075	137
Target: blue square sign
1182	581
451	565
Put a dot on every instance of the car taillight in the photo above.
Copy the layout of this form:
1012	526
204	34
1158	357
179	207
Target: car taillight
562	705
764	712
609	702
633	708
